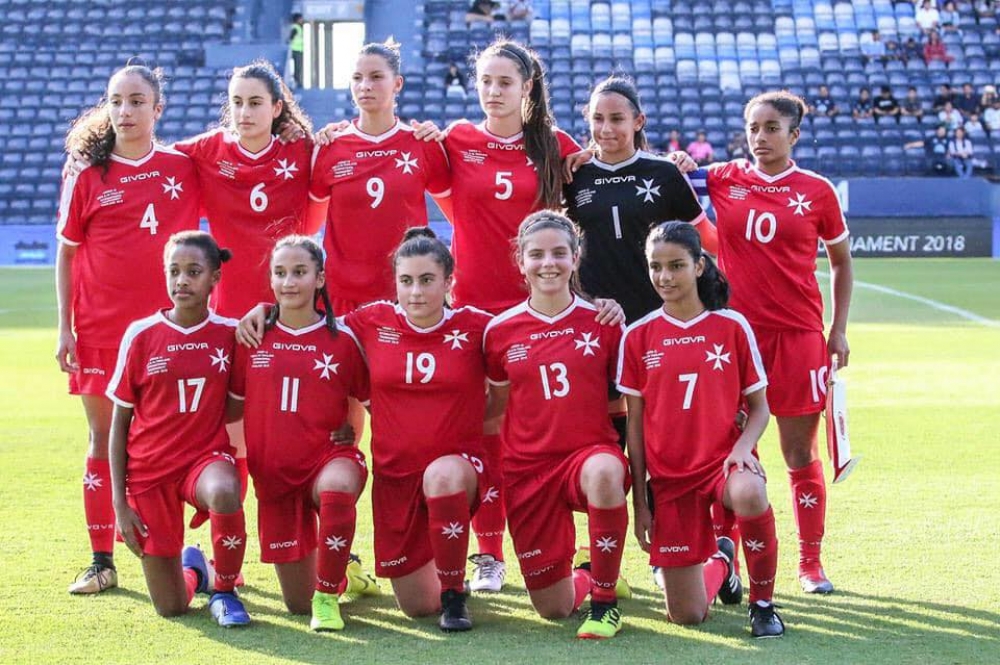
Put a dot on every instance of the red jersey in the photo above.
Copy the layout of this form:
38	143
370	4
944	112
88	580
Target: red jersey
769	229
559	369
428	385
296	385
251	200
692	376
494	187
176	382
375	185
121	220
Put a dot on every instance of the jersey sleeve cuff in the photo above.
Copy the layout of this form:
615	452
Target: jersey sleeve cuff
760	385
66	241
367	403
119	401
841	238
497	383
441	195
699	219
235	396
628	391
318	199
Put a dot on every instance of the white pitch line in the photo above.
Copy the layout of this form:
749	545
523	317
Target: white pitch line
935	304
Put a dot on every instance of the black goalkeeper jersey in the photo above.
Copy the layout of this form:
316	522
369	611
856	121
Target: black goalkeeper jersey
616	205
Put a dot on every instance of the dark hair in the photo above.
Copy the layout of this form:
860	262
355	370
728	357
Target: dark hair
422	241
215	255
540	141
291	112
316	254
92	133
713	287
624	86
550	219
787	104
388	50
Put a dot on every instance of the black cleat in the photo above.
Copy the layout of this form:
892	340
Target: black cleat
765	622
454	613
814	580
731	592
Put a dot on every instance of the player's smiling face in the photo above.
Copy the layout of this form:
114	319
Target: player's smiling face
674	274
501	87
548	261
295	278
252	108
374	85
421	289
190	278
613	125
770	137
133	108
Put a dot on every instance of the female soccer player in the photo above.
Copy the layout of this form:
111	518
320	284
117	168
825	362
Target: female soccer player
113	219
168	437
428	405
553	362
771	215
296	385
685	368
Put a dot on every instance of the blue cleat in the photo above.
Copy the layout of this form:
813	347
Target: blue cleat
228	610
192	557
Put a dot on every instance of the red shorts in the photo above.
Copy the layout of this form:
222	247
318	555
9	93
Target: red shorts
797	363
682	525
161	509
540	506
287	526
96	368
399	507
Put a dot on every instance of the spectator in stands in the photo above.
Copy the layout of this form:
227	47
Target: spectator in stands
936	149
967	103
912	50
295	45
873	49
985	9
886	105
949	17
701	150
988	97
823	103
738	148
911	105
863	105
960	153
950	116
927	16
519	10
991	117
455	82
945	94
935	49
674	142
480	11
974	126
893	50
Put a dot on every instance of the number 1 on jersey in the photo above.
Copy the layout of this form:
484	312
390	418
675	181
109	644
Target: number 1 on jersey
617	220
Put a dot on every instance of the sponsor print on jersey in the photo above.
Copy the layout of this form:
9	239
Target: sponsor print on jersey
517	353
584	197
473	156
157	365
388	335
110	197
261	359
652	359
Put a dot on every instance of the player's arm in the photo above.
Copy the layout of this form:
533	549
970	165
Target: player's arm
742	457
126	519
642	516
66	350
234	409
496	403
315	215
841	285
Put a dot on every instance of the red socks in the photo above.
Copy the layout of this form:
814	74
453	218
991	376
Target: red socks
490	519
97	505
337	521
724	524
714	573
448	527
229	544
244	473
760	547
607	527
809	502
581	586
190	583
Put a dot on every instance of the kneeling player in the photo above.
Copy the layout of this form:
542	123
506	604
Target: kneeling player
685	368
168	438
296	384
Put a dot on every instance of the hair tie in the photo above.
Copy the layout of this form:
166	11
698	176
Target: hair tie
524	61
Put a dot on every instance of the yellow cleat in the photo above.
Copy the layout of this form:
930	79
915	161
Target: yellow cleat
325	613
359	582
95	579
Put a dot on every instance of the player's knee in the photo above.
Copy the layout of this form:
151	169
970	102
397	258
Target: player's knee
604	480
170	609
298	605
422	607
223	496
443	477
686	616
554	611
340	478
749	499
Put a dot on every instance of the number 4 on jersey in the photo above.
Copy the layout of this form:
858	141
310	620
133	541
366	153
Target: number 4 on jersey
149	220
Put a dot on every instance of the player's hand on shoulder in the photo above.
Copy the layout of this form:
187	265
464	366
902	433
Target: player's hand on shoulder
682	161
76	162
250	331
328	134
128	523
66	352
837	347
344	436
426	131
573	162
289	132
609	313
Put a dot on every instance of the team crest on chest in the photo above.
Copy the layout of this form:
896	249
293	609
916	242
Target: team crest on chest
406	163
285	169
718	358
172	187
800	204
221	359
456	338
325	366
587	344
647	191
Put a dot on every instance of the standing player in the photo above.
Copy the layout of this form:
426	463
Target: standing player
553	362
168	437
133	197
296	385
428	406
685	368
771	216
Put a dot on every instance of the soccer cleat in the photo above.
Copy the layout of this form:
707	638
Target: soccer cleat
731	591
228	610
454	614
488	574
325	613
194	558
94	579
814	580
359	583
658	578
604	620
765	622
582	560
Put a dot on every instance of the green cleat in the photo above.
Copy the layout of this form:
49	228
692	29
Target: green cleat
325	613
603	621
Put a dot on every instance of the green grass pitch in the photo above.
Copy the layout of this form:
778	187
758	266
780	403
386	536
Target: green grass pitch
911	540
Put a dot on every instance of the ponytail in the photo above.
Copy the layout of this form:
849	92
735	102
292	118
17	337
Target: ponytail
713	287
214	255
